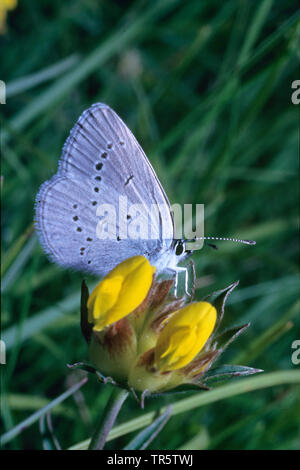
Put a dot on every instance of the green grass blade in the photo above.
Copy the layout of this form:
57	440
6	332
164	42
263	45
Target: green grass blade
242	386
12	433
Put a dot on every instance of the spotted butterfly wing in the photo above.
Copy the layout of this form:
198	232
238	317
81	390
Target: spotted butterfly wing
101	161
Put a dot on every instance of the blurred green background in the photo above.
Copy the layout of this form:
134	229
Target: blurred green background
206	88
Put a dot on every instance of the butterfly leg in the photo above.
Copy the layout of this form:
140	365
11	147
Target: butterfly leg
175	271
178	270
185	269
192	264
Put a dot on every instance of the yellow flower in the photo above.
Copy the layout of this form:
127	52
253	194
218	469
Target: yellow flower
5	5
184	336
145	339
120	292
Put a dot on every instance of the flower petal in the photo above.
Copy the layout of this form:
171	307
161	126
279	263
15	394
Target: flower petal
120	292
184	335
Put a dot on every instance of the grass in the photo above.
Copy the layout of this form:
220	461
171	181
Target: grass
206	88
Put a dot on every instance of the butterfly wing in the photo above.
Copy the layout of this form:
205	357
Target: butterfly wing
101	161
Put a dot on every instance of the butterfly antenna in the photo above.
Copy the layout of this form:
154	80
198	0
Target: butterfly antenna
237	240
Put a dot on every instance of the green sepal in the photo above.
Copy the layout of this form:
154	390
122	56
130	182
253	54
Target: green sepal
189	387
82	366
226	372
218	300
181	389
184	388
88	368
224	339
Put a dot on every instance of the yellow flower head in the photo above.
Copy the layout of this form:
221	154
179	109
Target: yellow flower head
145	339
184	336
120	292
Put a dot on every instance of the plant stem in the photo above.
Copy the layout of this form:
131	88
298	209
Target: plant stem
106	421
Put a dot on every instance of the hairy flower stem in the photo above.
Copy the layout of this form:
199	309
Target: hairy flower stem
106	421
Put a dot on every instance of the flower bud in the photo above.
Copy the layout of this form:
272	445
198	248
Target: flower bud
184	336
120	292
144	339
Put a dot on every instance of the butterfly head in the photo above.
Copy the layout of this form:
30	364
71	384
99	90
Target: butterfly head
180	249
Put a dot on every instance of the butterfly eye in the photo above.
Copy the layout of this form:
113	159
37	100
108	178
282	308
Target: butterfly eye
179	248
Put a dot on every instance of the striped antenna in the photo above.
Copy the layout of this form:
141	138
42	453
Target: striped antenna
237	240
